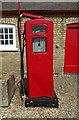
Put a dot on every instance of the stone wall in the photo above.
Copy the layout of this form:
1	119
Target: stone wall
10	60
7	89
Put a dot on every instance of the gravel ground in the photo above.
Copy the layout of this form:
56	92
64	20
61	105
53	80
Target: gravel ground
66	90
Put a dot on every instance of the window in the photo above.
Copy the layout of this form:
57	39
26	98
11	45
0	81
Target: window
39	44
36	29
7	38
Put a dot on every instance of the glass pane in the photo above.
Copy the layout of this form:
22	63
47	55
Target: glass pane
1	37
6	30
6	42
11	42
1	30
10	36
2	42
6	36
10	30
39	44
36	29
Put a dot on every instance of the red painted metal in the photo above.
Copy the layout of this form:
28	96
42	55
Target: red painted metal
19	7
71	64
32	16
39	65
41	11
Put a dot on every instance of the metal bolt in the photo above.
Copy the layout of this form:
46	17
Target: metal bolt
57	46
31	101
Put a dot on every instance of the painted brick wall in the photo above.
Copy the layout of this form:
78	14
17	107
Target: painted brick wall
60	21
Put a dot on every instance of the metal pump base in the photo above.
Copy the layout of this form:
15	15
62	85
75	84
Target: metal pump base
42	102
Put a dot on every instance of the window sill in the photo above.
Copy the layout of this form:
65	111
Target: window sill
10	50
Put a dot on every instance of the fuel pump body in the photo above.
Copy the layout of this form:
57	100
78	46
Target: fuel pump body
39	55
39	52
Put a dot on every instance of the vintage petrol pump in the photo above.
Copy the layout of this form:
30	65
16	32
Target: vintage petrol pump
39	54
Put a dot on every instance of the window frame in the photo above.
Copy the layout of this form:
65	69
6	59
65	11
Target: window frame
9	47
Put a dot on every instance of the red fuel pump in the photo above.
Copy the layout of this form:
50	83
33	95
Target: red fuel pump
39	54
